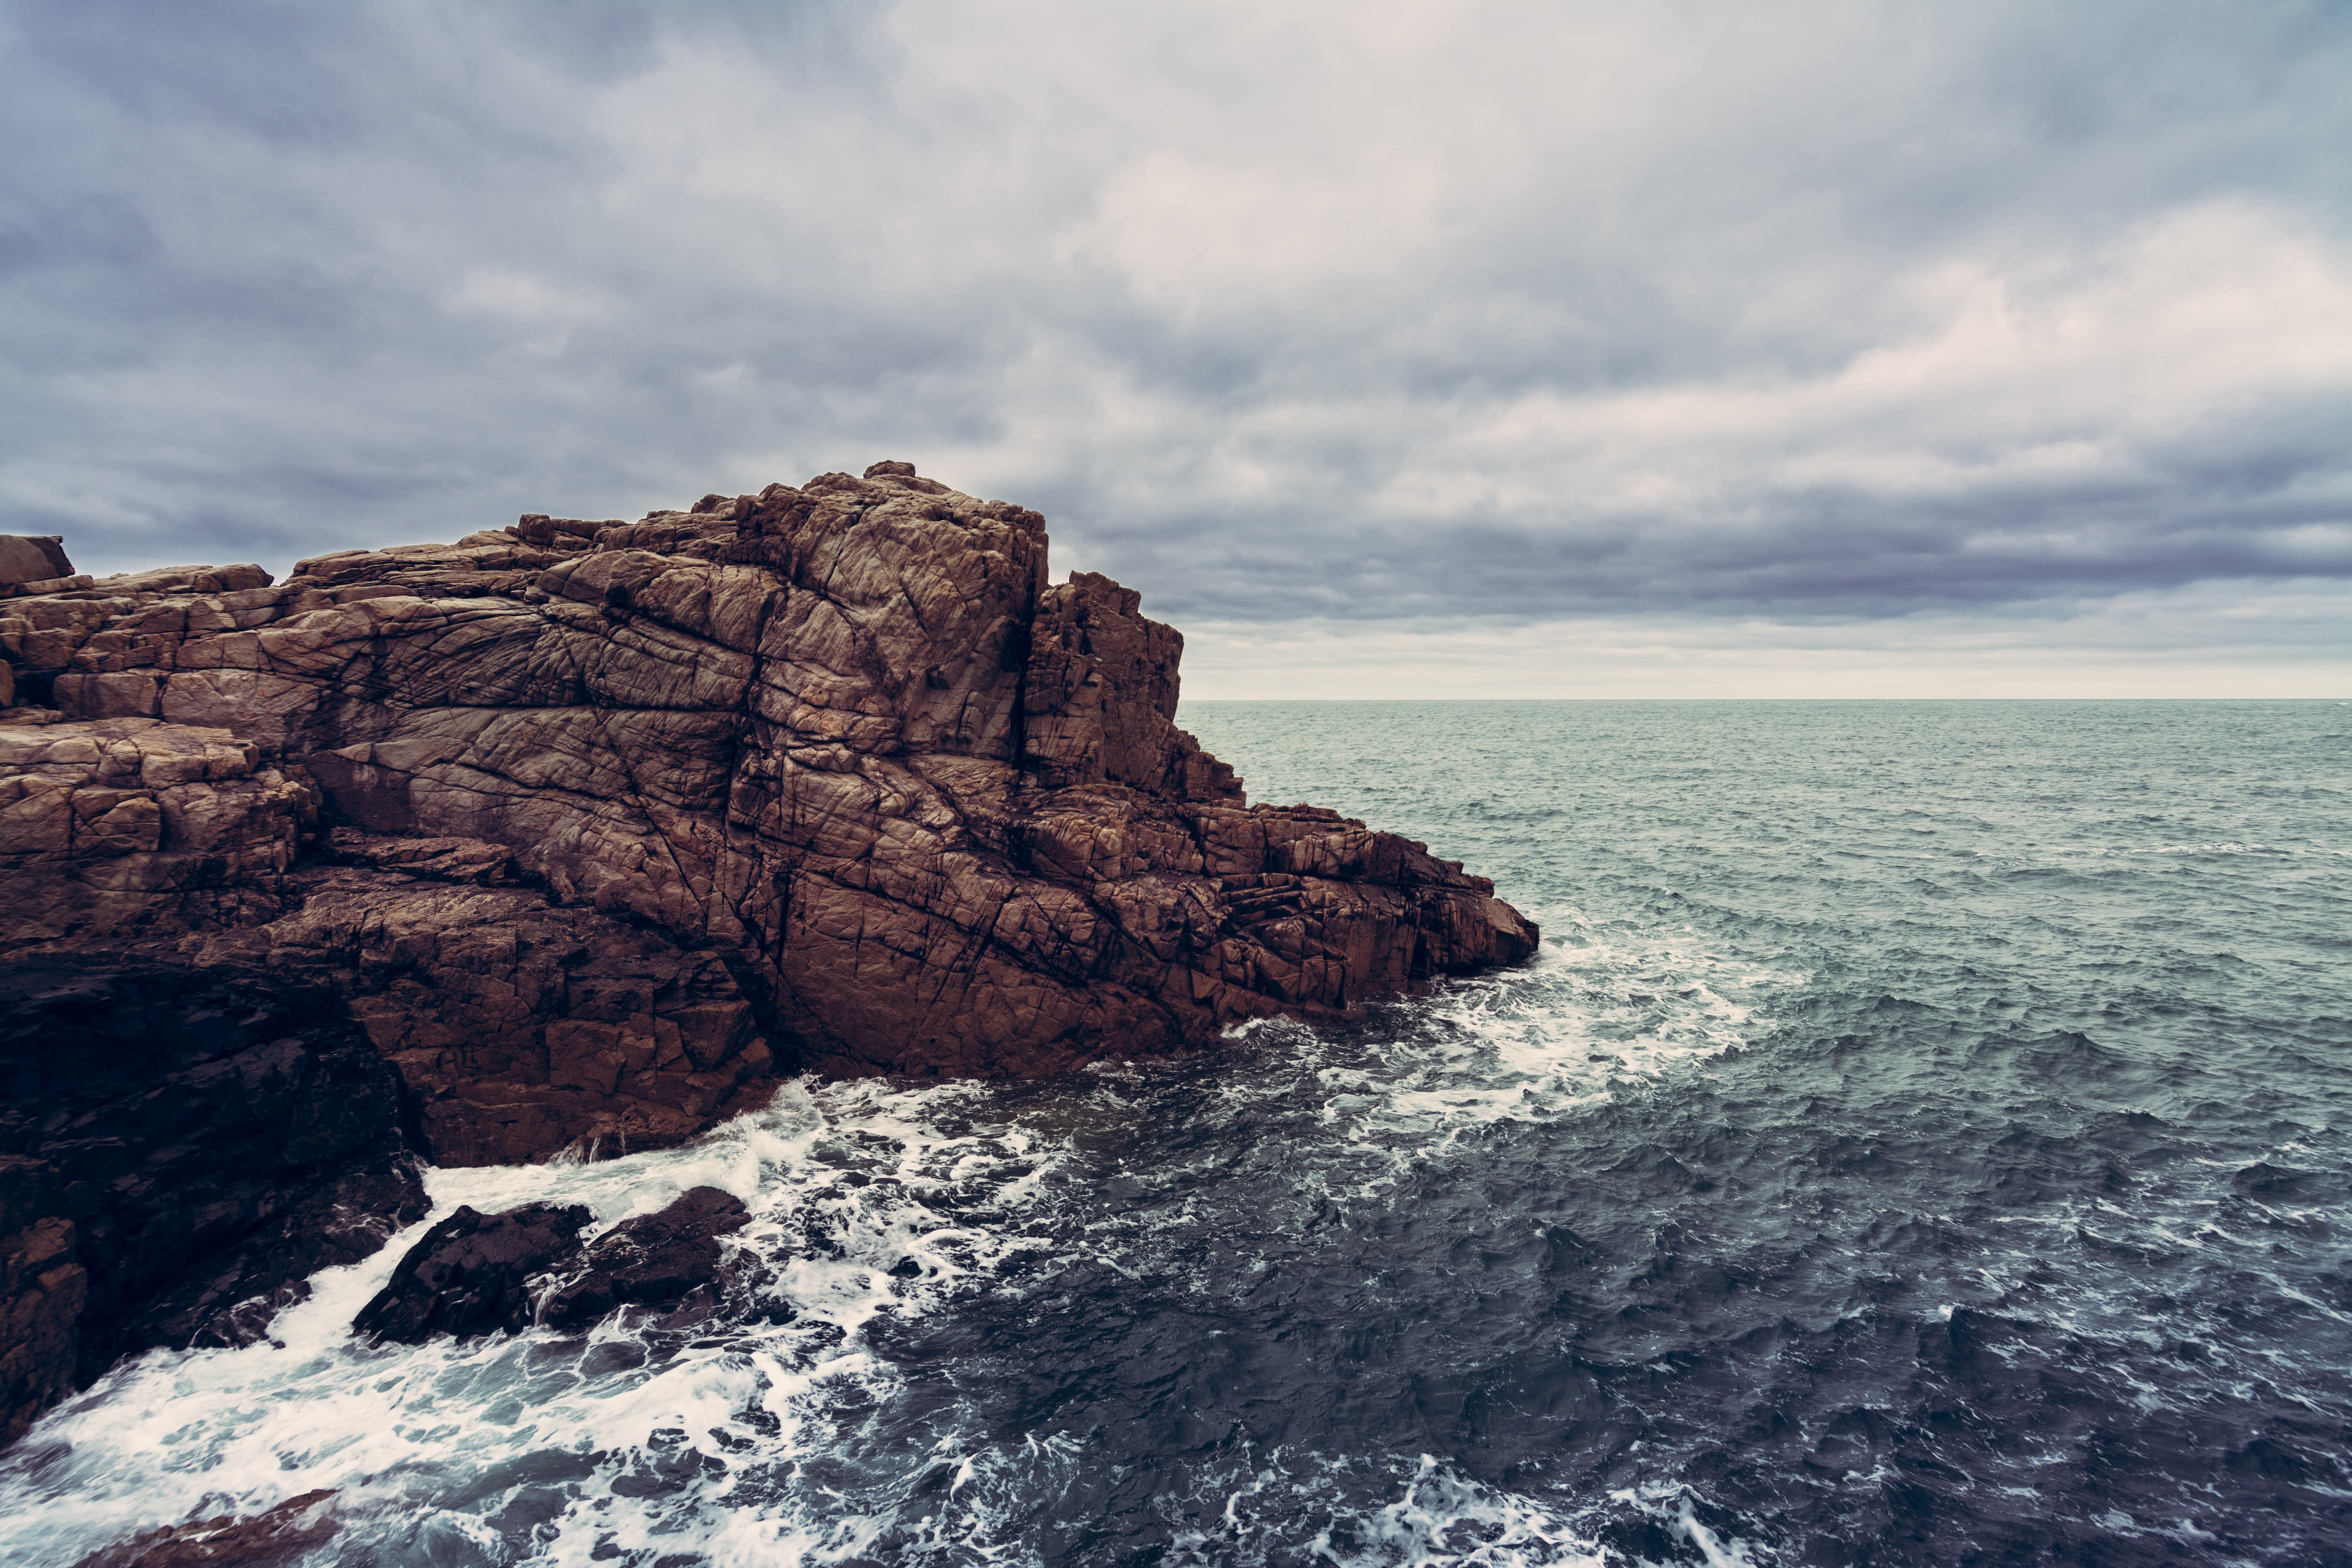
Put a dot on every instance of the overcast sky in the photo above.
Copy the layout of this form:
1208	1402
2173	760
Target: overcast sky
1509	350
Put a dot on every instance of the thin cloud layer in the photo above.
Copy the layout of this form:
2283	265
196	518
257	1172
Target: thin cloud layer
2220	638
1712	314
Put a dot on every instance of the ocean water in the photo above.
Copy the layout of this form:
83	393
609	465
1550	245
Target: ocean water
1923	1139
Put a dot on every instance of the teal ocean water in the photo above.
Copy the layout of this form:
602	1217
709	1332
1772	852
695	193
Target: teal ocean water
1925	1138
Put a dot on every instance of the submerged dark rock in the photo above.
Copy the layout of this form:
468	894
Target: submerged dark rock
281	1535
473	1273
477	1274
653	1260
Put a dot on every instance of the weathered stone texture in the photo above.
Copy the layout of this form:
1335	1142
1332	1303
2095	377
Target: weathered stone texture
32	558
477	1274
473	1273
519	1028
658	1260
117	826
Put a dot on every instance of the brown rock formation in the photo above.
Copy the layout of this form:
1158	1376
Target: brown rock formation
581	827
31	563
125	825
520	1027
935	814
32	558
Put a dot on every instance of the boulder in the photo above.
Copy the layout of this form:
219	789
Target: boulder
32	558
654	1260
474	1274
478	1274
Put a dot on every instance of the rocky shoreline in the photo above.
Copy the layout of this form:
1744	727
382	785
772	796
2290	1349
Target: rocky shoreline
570	839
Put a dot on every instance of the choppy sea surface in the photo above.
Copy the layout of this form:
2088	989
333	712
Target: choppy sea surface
1922	1140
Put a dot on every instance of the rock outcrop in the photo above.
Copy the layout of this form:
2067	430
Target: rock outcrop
32	562
936	813
584	831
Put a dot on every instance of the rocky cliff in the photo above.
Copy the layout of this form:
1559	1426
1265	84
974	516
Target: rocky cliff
591	827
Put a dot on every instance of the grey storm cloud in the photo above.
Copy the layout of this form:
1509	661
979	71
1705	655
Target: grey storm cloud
1349	311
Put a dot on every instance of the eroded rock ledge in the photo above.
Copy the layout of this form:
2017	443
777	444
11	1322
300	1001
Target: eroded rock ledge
592	828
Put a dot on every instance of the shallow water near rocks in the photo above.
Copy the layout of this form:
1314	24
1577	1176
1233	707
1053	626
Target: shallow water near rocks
1922	1140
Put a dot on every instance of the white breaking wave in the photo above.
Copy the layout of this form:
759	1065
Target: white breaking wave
785	1441
429	1445
1598	1013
